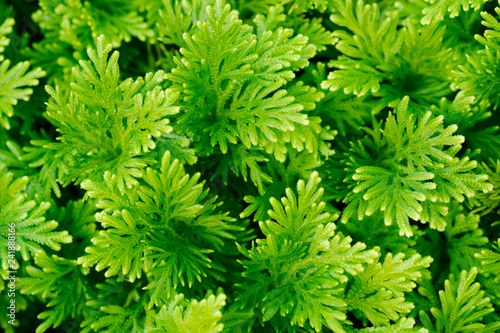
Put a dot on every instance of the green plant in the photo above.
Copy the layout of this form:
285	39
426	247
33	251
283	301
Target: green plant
249	166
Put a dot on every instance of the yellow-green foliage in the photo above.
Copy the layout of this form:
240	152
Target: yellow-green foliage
203	166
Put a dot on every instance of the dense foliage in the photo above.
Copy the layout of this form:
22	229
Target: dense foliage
250	165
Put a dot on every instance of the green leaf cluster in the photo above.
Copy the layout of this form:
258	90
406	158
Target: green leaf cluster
250	166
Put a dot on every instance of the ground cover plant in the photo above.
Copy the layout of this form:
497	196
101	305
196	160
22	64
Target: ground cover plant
213	166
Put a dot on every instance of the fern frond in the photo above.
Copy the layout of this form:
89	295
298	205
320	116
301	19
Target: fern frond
383	286
61	280
378	58
479	76
463	307
202	316
490	261
404	325
464	238
13	85
155	228
26	219
298	268
106	124
437	9
414	175
236	96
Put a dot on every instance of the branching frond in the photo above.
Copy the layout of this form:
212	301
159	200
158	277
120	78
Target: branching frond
106	124
414	175
25	220
156	228
463	307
